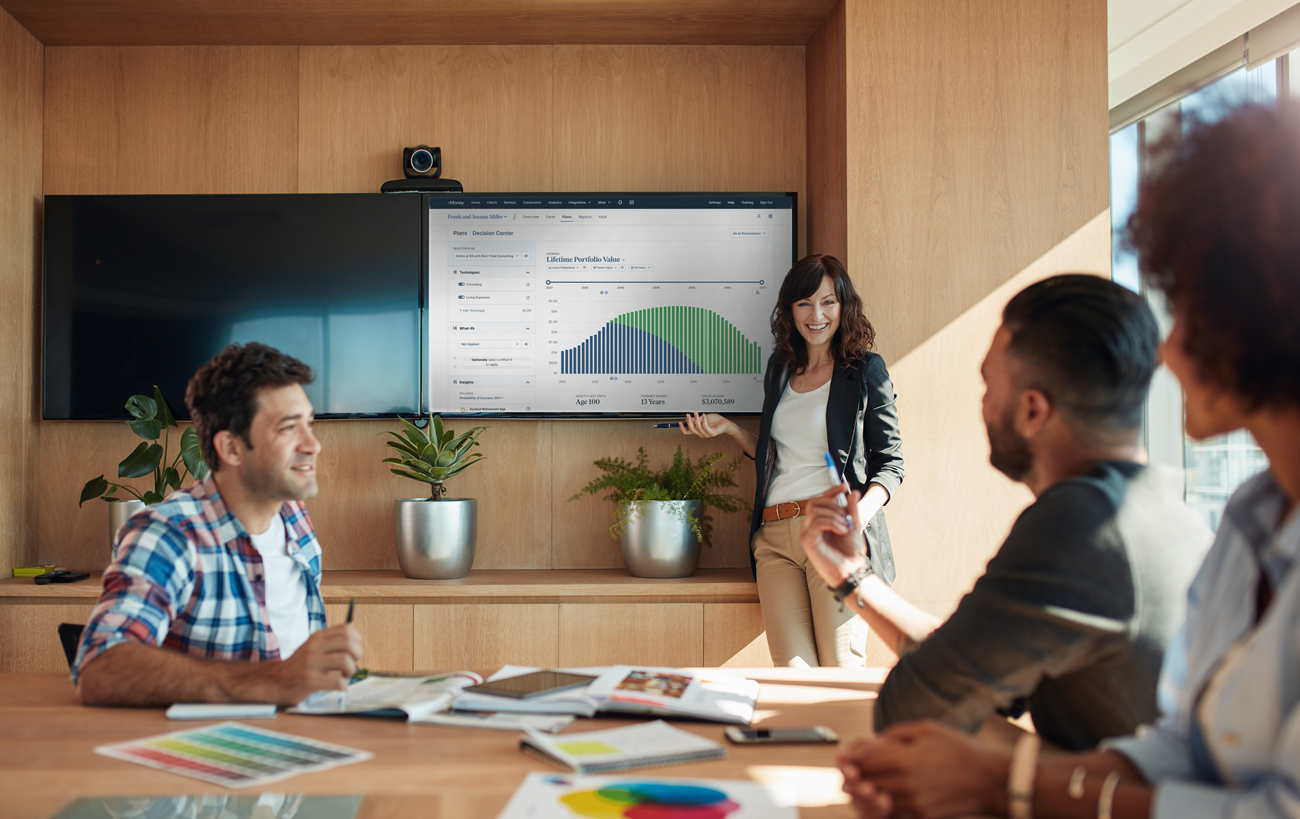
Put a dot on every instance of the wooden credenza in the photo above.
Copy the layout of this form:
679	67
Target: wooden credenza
490	618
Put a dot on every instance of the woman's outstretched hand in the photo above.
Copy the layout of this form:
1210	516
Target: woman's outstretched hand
705	425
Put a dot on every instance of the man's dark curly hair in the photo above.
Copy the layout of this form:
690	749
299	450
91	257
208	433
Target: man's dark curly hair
855	335
1217	229
223	393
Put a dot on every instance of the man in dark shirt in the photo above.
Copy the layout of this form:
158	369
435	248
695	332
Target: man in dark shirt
1073	613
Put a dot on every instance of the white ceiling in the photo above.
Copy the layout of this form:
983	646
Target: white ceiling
1150	39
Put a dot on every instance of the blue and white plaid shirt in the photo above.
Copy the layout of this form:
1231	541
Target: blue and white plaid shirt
185	576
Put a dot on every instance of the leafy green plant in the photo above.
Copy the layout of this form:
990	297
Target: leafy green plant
631	485
434	456
149	417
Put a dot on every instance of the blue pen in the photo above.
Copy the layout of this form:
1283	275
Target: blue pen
834	474
673	425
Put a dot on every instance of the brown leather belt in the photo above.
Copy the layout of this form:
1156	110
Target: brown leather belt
784	511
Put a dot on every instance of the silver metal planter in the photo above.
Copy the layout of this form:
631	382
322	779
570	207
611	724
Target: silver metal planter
436	539
118	513
658	541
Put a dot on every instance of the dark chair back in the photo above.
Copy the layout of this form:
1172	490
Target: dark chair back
70	636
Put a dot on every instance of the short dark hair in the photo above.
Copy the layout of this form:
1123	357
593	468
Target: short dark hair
855	335
1090	345
223	393
1216	230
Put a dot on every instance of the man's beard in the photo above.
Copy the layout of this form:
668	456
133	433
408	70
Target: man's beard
274	484
1008	450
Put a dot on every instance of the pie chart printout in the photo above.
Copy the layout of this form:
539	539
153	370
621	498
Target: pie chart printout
650	800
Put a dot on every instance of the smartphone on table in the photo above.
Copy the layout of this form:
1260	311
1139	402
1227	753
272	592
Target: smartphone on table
773	736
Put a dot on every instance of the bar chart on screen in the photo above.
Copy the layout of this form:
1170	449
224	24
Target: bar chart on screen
677	339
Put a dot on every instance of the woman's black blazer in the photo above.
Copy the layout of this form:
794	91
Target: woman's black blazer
863	437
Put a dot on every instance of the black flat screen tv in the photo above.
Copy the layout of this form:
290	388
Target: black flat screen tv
142	290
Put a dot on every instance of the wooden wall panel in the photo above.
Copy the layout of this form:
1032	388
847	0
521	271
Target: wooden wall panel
827	138
383	22
488	107
977	162
581	537
31	635
509	118
670	634
21	67
171	119
978	142
73	452
680	118
734	636
484	637
354	514
387	633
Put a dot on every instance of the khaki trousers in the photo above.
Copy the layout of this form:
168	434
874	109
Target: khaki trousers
801	617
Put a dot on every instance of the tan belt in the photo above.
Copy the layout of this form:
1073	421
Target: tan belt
784	511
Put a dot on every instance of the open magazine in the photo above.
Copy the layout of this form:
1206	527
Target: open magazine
623	689
380	695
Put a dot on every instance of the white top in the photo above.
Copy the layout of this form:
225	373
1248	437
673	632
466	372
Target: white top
286	588
799	433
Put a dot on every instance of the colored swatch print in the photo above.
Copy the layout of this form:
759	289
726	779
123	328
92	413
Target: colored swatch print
650	800
233	755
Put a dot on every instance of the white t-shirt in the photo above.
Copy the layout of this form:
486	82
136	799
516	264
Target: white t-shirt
286	588
799	433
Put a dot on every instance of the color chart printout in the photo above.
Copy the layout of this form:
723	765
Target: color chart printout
233	755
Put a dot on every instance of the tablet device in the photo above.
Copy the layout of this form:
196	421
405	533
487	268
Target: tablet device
531	685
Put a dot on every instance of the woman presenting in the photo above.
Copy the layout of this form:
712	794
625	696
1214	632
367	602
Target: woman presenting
825	391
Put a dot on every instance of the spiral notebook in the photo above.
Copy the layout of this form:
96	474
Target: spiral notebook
620	749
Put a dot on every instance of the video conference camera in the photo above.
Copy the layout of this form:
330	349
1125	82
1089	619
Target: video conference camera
422	167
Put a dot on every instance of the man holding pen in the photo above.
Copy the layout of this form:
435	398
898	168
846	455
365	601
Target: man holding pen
214	595
1074	611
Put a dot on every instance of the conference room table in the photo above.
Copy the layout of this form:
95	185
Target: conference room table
47	758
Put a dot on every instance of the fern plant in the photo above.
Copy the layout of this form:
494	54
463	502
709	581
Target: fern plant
434	456
632	484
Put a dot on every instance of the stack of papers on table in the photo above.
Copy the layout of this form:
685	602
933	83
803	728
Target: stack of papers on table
621	749
626	689
414	698
548	796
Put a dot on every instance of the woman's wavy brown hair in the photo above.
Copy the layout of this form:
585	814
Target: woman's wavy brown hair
855	335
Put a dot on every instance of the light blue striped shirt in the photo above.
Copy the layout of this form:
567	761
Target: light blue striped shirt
1237	754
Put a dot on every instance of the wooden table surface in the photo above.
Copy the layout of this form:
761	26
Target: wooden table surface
47	758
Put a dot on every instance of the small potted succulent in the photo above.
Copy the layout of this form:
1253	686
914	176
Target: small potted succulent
437	535
661	517
149	417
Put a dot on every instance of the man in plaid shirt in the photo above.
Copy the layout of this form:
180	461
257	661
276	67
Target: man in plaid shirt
213	595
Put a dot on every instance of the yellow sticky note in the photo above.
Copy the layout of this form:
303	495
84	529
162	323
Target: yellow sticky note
585	748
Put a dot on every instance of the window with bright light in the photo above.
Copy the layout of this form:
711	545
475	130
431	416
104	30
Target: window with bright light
1214	468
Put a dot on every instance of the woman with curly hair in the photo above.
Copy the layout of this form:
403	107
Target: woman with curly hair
825	391
1217	230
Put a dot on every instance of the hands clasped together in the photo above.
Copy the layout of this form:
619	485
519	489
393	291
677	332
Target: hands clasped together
925	771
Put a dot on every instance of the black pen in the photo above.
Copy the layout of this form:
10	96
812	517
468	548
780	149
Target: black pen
352	604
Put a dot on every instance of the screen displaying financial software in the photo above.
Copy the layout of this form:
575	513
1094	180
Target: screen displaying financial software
603	303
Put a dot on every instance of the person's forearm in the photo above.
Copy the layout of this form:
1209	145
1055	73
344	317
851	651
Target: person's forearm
899	623
875	498
748	441
1052	786
133	674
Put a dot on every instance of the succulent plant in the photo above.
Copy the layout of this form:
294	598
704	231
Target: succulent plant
434	456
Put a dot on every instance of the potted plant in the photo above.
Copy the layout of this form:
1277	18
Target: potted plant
149	417
436	536
661	517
